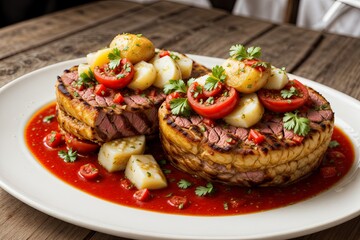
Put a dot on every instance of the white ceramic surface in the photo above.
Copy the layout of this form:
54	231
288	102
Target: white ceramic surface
23	177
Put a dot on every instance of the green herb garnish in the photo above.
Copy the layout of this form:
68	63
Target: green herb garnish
334	144
180	106
285	93
300	125
48	119
184	184
115	58
175	86
205	190
217	75
86	79
68	156
239	52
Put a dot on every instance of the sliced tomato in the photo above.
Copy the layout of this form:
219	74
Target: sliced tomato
101	90
178	202
116	78
170	97
214	107
54	139
118	98
272	100
142	195
256	136
164	53
81	146
89	171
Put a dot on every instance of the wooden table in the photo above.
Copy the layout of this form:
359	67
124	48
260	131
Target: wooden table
332	60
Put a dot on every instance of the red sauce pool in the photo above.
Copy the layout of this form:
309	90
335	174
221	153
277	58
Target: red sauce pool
225	201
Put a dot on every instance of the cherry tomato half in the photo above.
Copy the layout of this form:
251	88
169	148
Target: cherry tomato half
272	100
88	171
178	202
214	107
116	78
142	195
54	139
81	146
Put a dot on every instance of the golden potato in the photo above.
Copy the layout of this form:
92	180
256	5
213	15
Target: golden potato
134	47
244	78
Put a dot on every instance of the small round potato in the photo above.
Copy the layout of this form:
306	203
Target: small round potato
135	48
244	78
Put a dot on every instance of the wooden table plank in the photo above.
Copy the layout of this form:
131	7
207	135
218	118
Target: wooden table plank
225	32
335	62
38	31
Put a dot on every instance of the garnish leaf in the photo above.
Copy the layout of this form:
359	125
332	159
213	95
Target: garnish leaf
175	86
205	190
115	58
86	79
218	75
184	184
68	156
48	119
285	93
300	125
239	52
180	106
334	144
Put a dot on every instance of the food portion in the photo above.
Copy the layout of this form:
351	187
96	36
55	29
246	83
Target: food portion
139	124
245	124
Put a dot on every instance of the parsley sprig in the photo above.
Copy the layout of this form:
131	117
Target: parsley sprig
288	93
175	86
180	106
217	75
86	79
239	52
68	156
115	58
300	125
184	184
205	190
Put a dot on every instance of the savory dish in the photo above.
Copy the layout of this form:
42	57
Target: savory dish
152	123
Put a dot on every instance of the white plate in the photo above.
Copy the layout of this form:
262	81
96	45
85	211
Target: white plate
23	177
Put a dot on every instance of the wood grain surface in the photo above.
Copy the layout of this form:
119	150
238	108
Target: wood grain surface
332	60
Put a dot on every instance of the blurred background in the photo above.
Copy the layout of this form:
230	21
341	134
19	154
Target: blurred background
335	16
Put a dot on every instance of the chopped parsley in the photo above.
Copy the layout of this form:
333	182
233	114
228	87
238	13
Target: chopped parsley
180	106
300	125
285	93
86	79
205	190
48	119
175	86
239	52
68	156
226	206
115	58
174	56
334	144
184	184
217	75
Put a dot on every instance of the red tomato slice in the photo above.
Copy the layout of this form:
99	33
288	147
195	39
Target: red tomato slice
116	78
142	195
126	184
81	146
221	105
272	100
89	171
54	139
256	136
213	92
101	90
178	202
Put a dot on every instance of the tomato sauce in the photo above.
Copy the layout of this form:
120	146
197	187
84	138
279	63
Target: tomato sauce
225	200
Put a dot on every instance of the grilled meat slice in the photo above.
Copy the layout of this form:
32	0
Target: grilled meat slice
224	153
96	118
